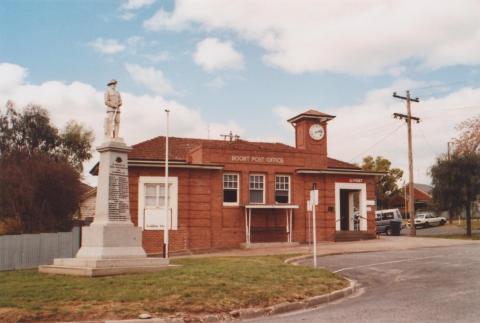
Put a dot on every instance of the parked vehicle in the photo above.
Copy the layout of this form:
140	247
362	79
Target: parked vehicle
384	218
427	219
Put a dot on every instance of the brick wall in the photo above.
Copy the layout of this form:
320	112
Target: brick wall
204	223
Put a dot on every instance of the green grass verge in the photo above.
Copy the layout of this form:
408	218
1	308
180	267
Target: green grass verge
463	224
201	285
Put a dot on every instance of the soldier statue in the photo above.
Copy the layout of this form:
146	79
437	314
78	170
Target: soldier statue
113	101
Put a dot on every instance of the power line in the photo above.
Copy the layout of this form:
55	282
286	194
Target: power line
378	142
384	126
426	141
437	85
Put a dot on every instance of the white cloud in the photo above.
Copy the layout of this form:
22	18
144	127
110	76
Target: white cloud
213	54
136	4
142	118
11	76
151	78
368	128
107	46
354	37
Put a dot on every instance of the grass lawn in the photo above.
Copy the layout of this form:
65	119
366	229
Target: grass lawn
463	224
202	285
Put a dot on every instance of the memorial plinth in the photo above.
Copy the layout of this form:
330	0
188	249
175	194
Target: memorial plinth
111	245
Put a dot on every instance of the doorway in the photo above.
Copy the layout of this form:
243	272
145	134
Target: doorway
350	206
349	210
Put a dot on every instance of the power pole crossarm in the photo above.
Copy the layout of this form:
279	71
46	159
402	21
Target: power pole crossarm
408	118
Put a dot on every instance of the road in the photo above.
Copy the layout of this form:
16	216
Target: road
422	285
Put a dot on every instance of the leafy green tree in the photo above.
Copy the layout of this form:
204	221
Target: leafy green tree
456	183
30	131
39	170
386	188
37	194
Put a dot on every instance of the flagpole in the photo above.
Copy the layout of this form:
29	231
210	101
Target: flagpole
167	204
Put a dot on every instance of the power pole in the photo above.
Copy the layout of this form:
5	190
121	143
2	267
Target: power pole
450	149
408	118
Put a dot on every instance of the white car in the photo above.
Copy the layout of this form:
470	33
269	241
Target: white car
428	219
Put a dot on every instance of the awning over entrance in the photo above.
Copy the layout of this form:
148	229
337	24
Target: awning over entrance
288	213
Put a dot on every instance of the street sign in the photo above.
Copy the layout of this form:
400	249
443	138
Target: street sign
314	197
309	206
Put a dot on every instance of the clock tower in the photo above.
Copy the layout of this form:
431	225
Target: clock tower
311	134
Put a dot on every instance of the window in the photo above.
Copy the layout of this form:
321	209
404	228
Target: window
155	195
282	189
257	189
230	189
152	213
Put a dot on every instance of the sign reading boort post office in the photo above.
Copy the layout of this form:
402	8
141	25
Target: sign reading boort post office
257	159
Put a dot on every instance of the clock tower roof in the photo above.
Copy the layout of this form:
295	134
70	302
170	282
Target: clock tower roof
311	114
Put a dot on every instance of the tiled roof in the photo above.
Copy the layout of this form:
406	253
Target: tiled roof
424	188
335	163
154	149
312	114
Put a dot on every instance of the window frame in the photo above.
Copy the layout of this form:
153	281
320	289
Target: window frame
143	181
238	189
289	188
263	190
157	195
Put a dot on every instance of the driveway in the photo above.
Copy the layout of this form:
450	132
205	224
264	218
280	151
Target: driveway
422	285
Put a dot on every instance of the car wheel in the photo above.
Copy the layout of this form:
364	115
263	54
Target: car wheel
426	225
388	231
442	222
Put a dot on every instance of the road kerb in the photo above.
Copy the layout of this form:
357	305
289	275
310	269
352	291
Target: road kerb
287	307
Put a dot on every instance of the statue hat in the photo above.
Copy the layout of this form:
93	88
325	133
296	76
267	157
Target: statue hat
112	82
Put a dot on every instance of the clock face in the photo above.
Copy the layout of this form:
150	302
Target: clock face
316	132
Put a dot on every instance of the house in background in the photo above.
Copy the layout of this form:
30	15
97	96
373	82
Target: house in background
86	210
422	195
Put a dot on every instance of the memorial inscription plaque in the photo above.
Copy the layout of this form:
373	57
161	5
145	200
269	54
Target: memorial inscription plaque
118	199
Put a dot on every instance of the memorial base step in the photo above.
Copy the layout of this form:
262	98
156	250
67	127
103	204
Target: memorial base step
105	267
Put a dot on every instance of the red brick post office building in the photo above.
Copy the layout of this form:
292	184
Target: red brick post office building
225	193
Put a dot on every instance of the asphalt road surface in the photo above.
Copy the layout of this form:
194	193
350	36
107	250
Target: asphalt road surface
422	285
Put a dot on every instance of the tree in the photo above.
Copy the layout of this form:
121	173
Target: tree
39	170
37	194
469	139
30	132
386	187
456	183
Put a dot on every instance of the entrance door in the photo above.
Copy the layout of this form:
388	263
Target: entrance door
344	211
349	210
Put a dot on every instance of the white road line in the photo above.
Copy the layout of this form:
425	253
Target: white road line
386	263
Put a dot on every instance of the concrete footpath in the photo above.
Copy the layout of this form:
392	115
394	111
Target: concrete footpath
383	243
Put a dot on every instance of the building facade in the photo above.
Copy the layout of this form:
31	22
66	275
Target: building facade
225	193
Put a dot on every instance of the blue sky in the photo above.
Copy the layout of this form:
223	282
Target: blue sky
247	66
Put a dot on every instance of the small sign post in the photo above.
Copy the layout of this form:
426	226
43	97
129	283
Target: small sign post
314	203
309	209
